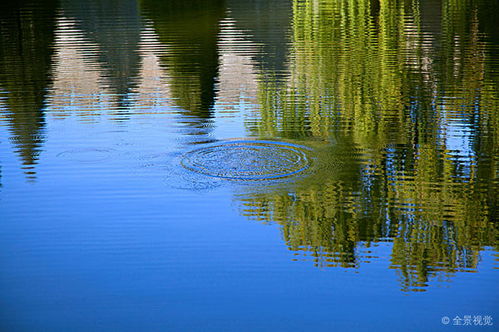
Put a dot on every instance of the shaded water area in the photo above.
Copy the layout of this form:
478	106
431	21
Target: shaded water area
230	165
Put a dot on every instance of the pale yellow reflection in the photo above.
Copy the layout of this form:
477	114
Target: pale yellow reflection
153	87
238	71
79	84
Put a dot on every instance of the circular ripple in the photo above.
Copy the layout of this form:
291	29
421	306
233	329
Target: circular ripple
248	160
86	155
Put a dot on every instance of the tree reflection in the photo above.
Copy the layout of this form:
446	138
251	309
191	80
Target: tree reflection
26	39
189	29
406	98
266	23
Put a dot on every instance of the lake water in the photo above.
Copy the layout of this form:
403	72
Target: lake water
249	165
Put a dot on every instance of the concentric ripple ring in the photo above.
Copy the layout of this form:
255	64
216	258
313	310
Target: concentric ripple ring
86	155
248	160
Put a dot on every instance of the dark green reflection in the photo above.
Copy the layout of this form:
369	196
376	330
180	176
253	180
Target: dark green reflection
189	29
399	99
26	48
266	23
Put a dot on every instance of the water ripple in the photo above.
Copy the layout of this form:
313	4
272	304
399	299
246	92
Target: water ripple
248	160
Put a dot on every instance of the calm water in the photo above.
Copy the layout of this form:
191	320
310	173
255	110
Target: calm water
237	165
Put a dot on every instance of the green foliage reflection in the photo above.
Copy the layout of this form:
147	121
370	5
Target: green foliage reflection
406	99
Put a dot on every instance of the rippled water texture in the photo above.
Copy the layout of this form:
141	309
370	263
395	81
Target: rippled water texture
231	165
248	160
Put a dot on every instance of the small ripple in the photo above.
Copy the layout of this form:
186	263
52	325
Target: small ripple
86	155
